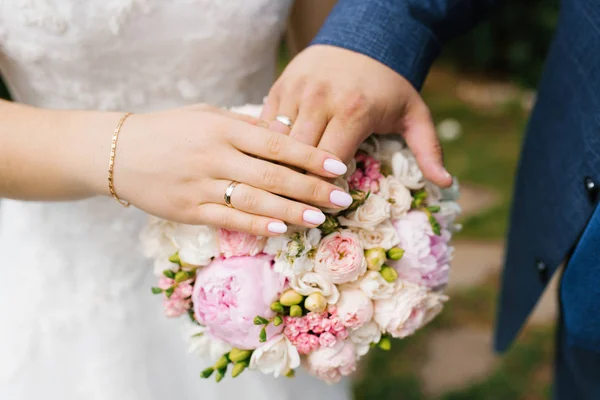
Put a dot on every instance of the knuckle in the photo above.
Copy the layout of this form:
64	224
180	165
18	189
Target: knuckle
274	144
270	178
291	213
254	226
316	93
248	200
316	190
355	104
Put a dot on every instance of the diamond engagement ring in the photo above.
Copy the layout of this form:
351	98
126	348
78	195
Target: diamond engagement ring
284	120
229	192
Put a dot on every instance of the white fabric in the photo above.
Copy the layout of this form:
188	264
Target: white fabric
77	319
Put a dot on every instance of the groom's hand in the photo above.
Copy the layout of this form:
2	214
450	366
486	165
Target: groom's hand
336	98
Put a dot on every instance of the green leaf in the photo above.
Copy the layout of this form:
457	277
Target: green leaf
181	276
169	274
263	335
207	372
258	320
169	291
277	320
433	209
157	290
175	259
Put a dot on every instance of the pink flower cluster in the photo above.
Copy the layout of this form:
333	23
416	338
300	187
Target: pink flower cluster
180	301
367	174
314	330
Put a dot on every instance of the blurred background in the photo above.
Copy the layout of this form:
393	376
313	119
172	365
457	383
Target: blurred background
480	92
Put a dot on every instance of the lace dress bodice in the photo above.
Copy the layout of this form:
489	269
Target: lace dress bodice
77	319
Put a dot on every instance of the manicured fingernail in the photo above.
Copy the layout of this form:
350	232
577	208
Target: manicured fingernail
277	227
313	217
340	198
335	167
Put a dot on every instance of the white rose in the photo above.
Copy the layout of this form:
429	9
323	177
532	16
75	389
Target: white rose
406	170
276	357
375	287
331	363
407	310
312	282
156	239
383	235
197	244
364	336
206	346
354	308
374	211
397	194
387	149
293	252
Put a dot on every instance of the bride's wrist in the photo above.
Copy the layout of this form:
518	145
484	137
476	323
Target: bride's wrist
90	133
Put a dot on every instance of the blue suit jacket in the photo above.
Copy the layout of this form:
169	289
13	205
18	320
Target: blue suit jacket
555	192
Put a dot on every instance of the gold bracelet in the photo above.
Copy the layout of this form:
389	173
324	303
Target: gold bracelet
111	163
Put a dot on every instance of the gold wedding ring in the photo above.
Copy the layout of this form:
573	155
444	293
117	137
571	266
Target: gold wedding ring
284	120
229	192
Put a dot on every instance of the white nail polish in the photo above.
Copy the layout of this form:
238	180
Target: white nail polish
335	167
277	227
313	217
339	198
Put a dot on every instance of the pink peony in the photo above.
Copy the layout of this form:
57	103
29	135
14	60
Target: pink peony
340	257
410	308
327	339
354	308
234	243
331	363
427	256
230	293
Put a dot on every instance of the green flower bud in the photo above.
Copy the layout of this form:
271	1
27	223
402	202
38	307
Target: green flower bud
221	374
207	372
395	253
295	311
238	368
277	307
290	298
330	225
389	274
385	343
222	363
157	290
181	276
290	373
375	258
237	355
263	335
277	320
315	302
258	320
175	259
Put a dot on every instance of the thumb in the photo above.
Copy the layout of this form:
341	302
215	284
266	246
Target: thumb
421	138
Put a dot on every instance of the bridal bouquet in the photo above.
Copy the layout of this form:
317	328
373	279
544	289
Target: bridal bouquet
321	297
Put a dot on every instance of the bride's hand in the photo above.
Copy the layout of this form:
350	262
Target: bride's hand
178	164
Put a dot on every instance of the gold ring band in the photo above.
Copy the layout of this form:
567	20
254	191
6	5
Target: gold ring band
229	192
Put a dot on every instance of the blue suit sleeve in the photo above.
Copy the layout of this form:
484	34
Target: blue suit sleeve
405	35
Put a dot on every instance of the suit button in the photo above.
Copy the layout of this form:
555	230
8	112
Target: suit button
542	270
591	188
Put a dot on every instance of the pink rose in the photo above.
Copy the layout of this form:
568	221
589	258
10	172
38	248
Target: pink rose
324	326
306	343
331	363
354	308
291	331
336	323
175	306
229	293
234	243
314	319
183	290
165	283
340	257
327	339
427	256
342	334
410	308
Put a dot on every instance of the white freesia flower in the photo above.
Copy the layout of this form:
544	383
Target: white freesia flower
276	357
204	345
407	310
397	194
375	287
406	170
374	211
197	244
312	282
364	336
156	239
383	235
294	252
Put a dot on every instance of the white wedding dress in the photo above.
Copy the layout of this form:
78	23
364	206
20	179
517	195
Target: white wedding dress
77	319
